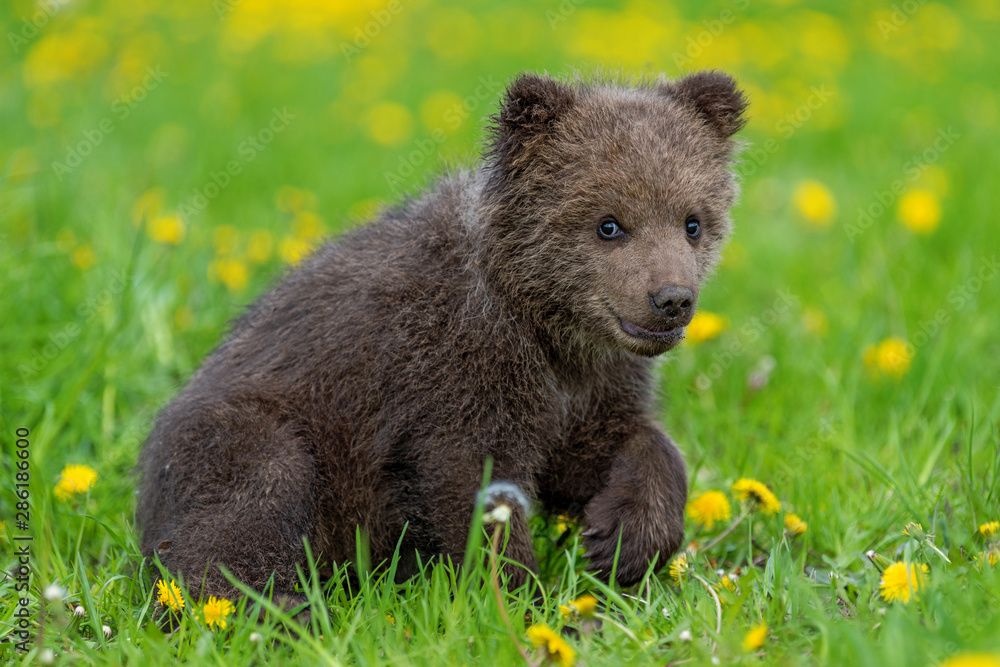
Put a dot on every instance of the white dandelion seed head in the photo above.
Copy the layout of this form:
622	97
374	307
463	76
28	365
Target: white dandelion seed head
54	592
499	514
503	496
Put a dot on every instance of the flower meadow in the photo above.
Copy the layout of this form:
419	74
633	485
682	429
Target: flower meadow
837	398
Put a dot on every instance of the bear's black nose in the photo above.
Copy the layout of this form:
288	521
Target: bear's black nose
673	303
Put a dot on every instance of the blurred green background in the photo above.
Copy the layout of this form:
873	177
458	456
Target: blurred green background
163	162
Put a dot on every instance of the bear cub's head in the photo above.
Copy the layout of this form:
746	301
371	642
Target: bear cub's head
607	203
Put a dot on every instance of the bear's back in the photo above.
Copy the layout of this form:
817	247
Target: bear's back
360	304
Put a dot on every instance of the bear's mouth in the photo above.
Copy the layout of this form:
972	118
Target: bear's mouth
664	336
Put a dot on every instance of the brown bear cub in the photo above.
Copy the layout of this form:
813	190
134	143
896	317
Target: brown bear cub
511	312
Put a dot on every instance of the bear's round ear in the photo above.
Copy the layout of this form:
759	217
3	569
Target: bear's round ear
715	96
530	108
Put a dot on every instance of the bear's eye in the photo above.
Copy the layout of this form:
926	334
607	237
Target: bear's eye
609	229
692	227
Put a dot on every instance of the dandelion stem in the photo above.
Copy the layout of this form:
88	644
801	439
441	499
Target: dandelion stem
629	633
718	603
495	580
938	551
721	536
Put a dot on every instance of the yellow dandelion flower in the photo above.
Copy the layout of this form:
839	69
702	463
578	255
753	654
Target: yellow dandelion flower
148	205
259	246
990	529
391	619
973	660
890	357
913	529
794	524
584	607
83	257
757	495
294	250
708	508
815	322
231	272
169	595
389	124
291	199
68	55
557	651
919	211
564	522
307	226
901	581
224	239
439	106
991	557
183	318
22	164
678	568
216	611
705	326
726	582
815	203
74	479
754	639
167	229
822	38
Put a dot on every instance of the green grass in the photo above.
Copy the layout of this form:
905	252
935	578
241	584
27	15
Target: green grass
102	323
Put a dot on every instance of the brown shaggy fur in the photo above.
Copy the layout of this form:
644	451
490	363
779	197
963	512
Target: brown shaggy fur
487	318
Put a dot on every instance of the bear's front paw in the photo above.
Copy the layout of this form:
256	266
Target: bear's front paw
648	531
